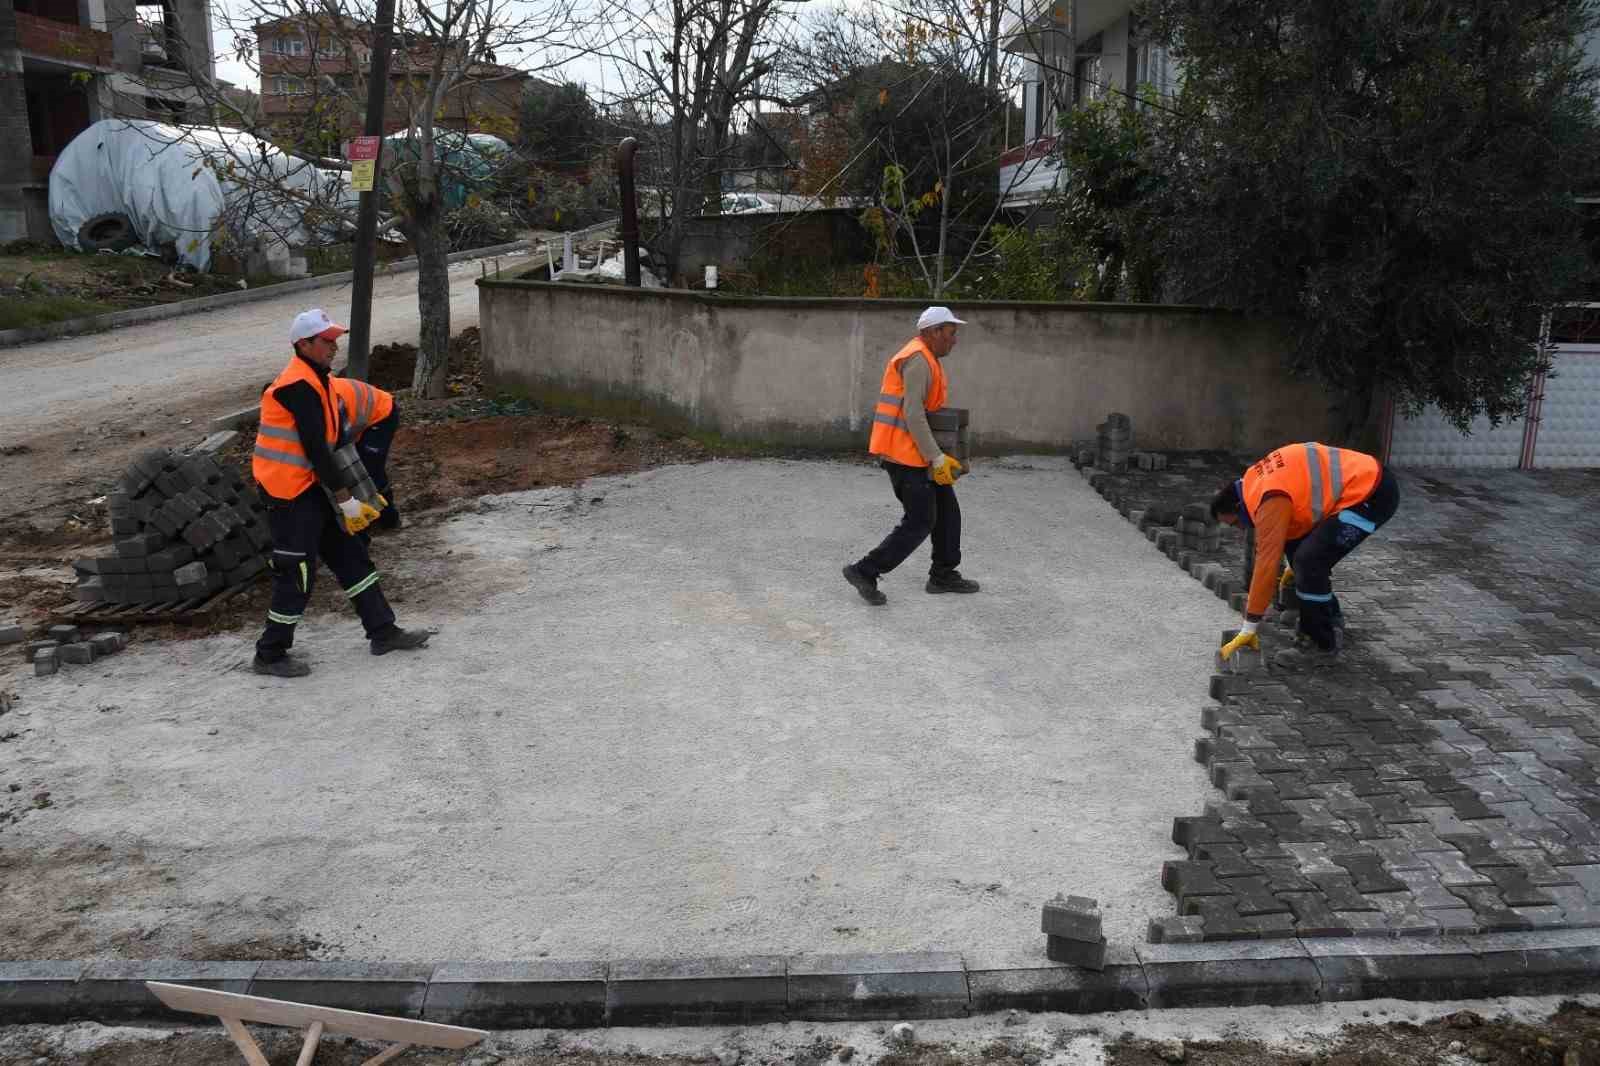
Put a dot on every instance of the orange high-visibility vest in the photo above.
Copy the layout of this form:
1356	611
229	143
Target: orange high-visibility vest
1319	480
360	405
280	463
891	436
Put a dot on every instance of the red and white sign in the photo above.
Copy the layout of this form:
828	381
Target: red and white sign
363	148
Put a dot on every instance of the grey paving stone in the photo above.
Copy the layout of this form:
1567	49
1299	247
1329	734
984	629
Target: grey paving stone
1073	917
1453	870
1089	956
375	987
847	987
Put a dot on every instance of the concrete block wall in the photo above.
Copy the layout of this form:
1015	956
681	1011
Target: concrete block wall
807	371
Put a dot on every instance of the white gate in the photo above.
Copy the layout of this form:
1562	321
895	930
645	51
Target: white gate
1560	428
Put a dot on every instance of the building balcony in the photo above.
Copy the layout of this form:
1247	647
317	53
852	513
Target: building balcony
64	44
1029	173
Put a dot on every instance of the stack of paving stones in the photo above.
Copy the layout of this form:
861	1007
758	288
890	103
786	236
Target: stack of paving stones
69	645
1114	442
1444	776
184	527
1071	925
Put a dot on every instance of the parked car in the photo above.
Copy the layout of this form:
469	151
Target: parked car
743	203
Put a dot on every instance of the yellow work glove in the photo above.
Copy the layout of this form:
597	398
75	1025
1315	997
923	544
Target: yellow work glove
1287	580
1246	639
357	515
945	470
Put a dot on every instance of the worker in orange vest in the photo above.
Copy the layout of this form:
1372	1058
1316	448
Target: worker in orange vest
369	416
300	429
1310	504
923	476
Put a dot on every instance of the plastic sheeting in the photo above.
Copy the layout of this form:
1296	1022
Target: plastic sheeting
466	160
158	176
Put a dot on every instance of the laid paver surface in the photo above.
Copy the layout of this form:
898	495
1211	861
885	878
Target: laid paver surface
1442	777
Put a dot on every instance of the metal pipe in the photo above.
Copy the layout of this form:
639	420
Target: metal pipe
630	211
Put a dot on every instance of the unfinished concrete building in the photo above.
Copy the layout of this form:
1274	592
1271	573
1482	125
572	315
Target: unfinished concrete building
67	63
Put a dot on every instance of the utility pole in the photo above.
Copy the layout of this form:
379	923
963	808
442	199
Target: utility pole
366	250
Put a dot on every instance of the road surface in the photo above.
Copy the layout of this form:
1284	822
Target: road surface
73	410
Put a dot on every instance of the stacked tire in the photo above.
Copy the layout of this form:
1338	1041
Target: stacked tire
184	526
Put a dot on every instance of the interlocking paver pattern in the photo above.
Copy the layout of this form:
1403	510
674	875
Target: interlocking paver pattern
1444	777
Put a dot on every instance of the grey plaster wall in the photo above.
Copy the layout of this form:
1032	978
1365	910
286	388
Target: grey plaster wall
1035	376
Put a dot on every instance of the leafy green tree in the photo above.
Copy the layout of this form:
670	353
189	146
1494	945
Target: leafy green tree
1394	179
560	126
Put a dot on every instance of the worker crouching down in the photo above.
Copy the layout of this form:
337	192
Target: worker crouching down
300	429
1310	504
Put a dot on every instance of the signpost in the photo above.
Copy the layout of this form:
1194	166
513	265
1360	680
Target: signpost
363	163
367	215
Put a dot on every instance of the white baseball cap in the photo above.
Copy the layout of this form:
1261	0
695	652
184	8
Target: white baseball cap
315	323
937	316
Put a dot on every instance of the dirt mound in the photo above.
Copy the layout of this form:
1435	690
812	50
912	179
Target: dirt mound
434	463
393	366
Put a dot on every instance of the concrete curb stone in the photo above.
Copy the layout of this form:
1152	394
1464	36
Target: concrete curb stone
708	991
398	988
577	994
114	990
1023	981
930	984
518	995
1265	973
39	991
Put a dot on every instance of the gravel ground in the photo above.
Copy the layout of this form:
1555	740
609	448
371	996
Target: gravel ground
657	722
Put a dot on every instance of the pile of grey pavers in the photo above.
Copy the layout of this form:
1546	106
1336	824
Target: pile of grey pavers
1112	448
1114	442
184	527
1071	926
62	644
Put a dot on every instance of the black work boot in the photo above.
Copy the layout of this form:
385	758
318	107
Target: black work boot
396	639
1306	654
284	667
951	581
867	586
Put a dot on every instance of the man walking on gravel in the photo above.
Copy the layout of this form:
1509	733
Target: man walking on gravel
300	429
923	477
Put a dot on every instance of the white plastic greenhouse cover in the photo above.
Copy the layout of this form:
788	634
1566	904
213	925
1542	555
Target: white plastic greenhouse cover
155	174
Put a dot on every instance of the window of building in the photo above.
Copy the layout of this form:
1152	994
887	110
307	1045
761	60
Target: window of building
1152	68
1088	78
328	46
288	86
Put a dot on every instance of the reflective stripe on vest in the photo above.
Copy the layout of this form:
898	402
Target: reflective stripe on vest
361	405
280	463
1319	481
891	434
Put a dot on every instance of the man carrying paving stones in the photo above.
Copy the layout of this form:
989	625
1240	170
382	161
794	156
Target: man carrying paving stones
369	416
300	428
922	475
1311	504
